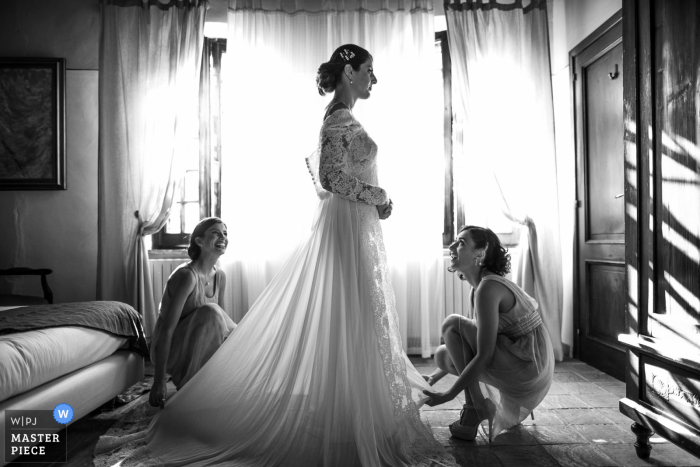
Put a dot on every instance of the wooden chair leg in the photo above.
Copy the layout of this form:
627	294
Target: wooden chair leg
48	294
642	445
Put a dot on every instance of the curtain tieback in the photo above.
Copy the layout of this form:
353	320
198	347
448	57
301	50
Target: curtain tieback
523	326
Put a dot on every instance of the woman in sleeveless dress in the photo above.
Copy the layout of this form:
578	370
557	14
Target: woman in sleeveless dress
315	374
191	324
504	358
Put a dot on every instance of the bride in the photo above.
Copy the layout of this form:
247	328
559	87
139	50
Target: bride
315	374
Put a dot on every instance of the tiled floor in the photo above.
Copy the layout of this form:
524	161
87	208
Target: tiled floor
577	424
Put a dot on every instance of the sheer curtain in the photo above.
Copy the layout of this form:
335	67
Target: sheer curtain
273	114
504	150
149	65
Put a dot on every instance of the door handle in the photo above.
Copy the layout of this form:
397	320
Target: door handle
619	196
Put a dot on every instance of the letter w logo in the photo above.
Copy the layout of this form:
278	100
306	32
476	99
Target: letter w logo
63	413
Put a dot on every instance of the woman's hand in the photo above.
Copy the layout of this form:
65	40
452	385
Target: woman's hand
384	210
157	396
437	398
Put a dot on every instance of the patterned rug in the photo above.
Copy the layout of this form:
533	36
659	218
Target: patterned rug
135	391
133	414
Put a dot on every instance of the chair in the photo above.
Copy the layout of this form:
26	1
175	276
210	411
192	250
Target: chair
24	300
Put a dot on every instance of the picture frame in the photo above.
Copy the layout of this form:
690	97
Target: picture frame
32	124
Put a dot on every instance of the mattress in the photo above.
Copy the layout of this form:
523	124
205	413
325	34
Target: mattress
29	359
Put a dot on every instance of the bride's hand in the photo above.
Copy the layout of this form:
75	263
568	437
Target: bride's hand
384	210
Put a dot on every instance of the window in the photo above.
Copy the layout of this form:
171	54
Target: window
495	219
200	189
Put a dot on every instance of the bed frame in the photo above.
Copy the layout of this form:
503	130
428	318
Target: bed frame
84	390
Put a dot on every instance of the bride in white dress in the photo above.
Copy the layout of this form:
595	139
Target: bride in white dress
315	374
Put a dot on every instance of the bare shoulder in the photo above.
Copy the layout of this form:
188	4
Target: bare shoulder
220	272
182	278
492	290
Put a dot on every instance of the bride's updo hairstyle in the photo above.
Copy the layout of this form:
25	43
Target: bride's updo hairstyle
497	258
329	73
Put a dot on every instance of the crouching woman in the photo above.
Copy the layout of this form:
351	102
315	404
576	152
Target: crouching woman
503	358
192	324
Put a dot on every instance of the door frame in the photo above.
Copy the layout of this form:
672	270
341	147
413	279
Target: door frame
579	146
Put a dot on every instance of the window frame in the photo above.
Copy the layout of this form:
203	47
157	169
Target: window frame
448	232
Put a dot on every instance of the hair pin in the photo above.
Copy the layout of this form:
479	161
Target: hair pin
347	54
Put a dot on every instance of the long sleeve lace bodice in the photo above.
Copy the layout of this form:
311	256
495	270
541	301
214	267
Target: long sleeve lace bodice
347	164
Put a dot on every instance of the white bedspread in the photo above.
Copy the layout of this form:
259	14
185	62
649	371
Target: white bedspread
29	359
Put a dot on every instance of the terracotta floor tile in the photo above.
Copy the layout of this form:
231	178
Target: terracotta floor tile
598	376
580	387
579	455
568	377
675	455
557	388
577	425
563	401
444	437
616	388
600	400
524	456
614	415
515	436
476	456
573	363
556	434
606	434
581	416
543	417
664	454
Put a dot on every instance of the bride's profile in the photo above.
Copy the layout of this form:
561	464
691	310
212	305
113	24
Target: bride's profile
315	374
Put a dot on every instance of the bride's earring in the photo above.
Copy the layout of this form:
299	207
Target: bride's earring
479	258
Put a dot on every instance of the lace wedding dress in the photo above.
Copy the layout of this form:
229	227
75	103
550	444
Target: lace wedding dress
315	374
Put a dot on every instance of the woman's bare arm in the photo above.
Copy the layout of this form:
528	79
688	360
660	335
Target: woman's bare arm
179	286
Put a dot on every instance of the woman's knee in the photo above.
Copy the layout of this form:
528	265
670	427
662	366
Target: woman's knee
457	323
209	314
450	323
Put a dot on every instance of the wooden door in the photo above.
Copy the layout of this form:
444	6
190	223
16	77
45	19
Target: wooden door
600	243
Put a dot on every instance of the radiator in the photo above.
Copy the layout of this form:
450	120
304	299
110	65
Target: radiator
456	290
160	272
456	293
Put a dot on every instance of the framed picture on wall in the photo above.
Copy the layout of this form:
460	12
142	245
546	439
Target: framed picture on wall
32	124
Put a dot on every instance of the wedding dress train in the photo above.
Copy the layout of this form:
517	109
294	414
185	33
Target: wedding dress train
315	374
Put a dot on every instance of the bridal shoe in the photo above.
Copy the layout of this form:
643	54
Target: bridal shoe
468	432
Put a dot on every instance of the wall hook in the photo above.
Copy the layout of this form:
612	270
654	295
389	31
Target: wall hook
615	74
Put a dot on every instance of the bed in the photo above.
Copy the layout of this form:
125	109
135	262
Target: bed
80	354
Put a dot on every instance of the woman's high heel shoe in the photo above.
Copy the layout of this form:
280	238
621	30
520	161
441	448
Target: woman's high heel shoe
468	432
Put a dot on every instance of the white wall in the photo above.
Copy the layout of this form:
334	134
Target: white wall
57	229
572	22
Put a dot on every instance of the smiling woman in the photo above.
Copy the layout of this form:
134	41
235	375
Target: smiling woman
191	324
503	359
